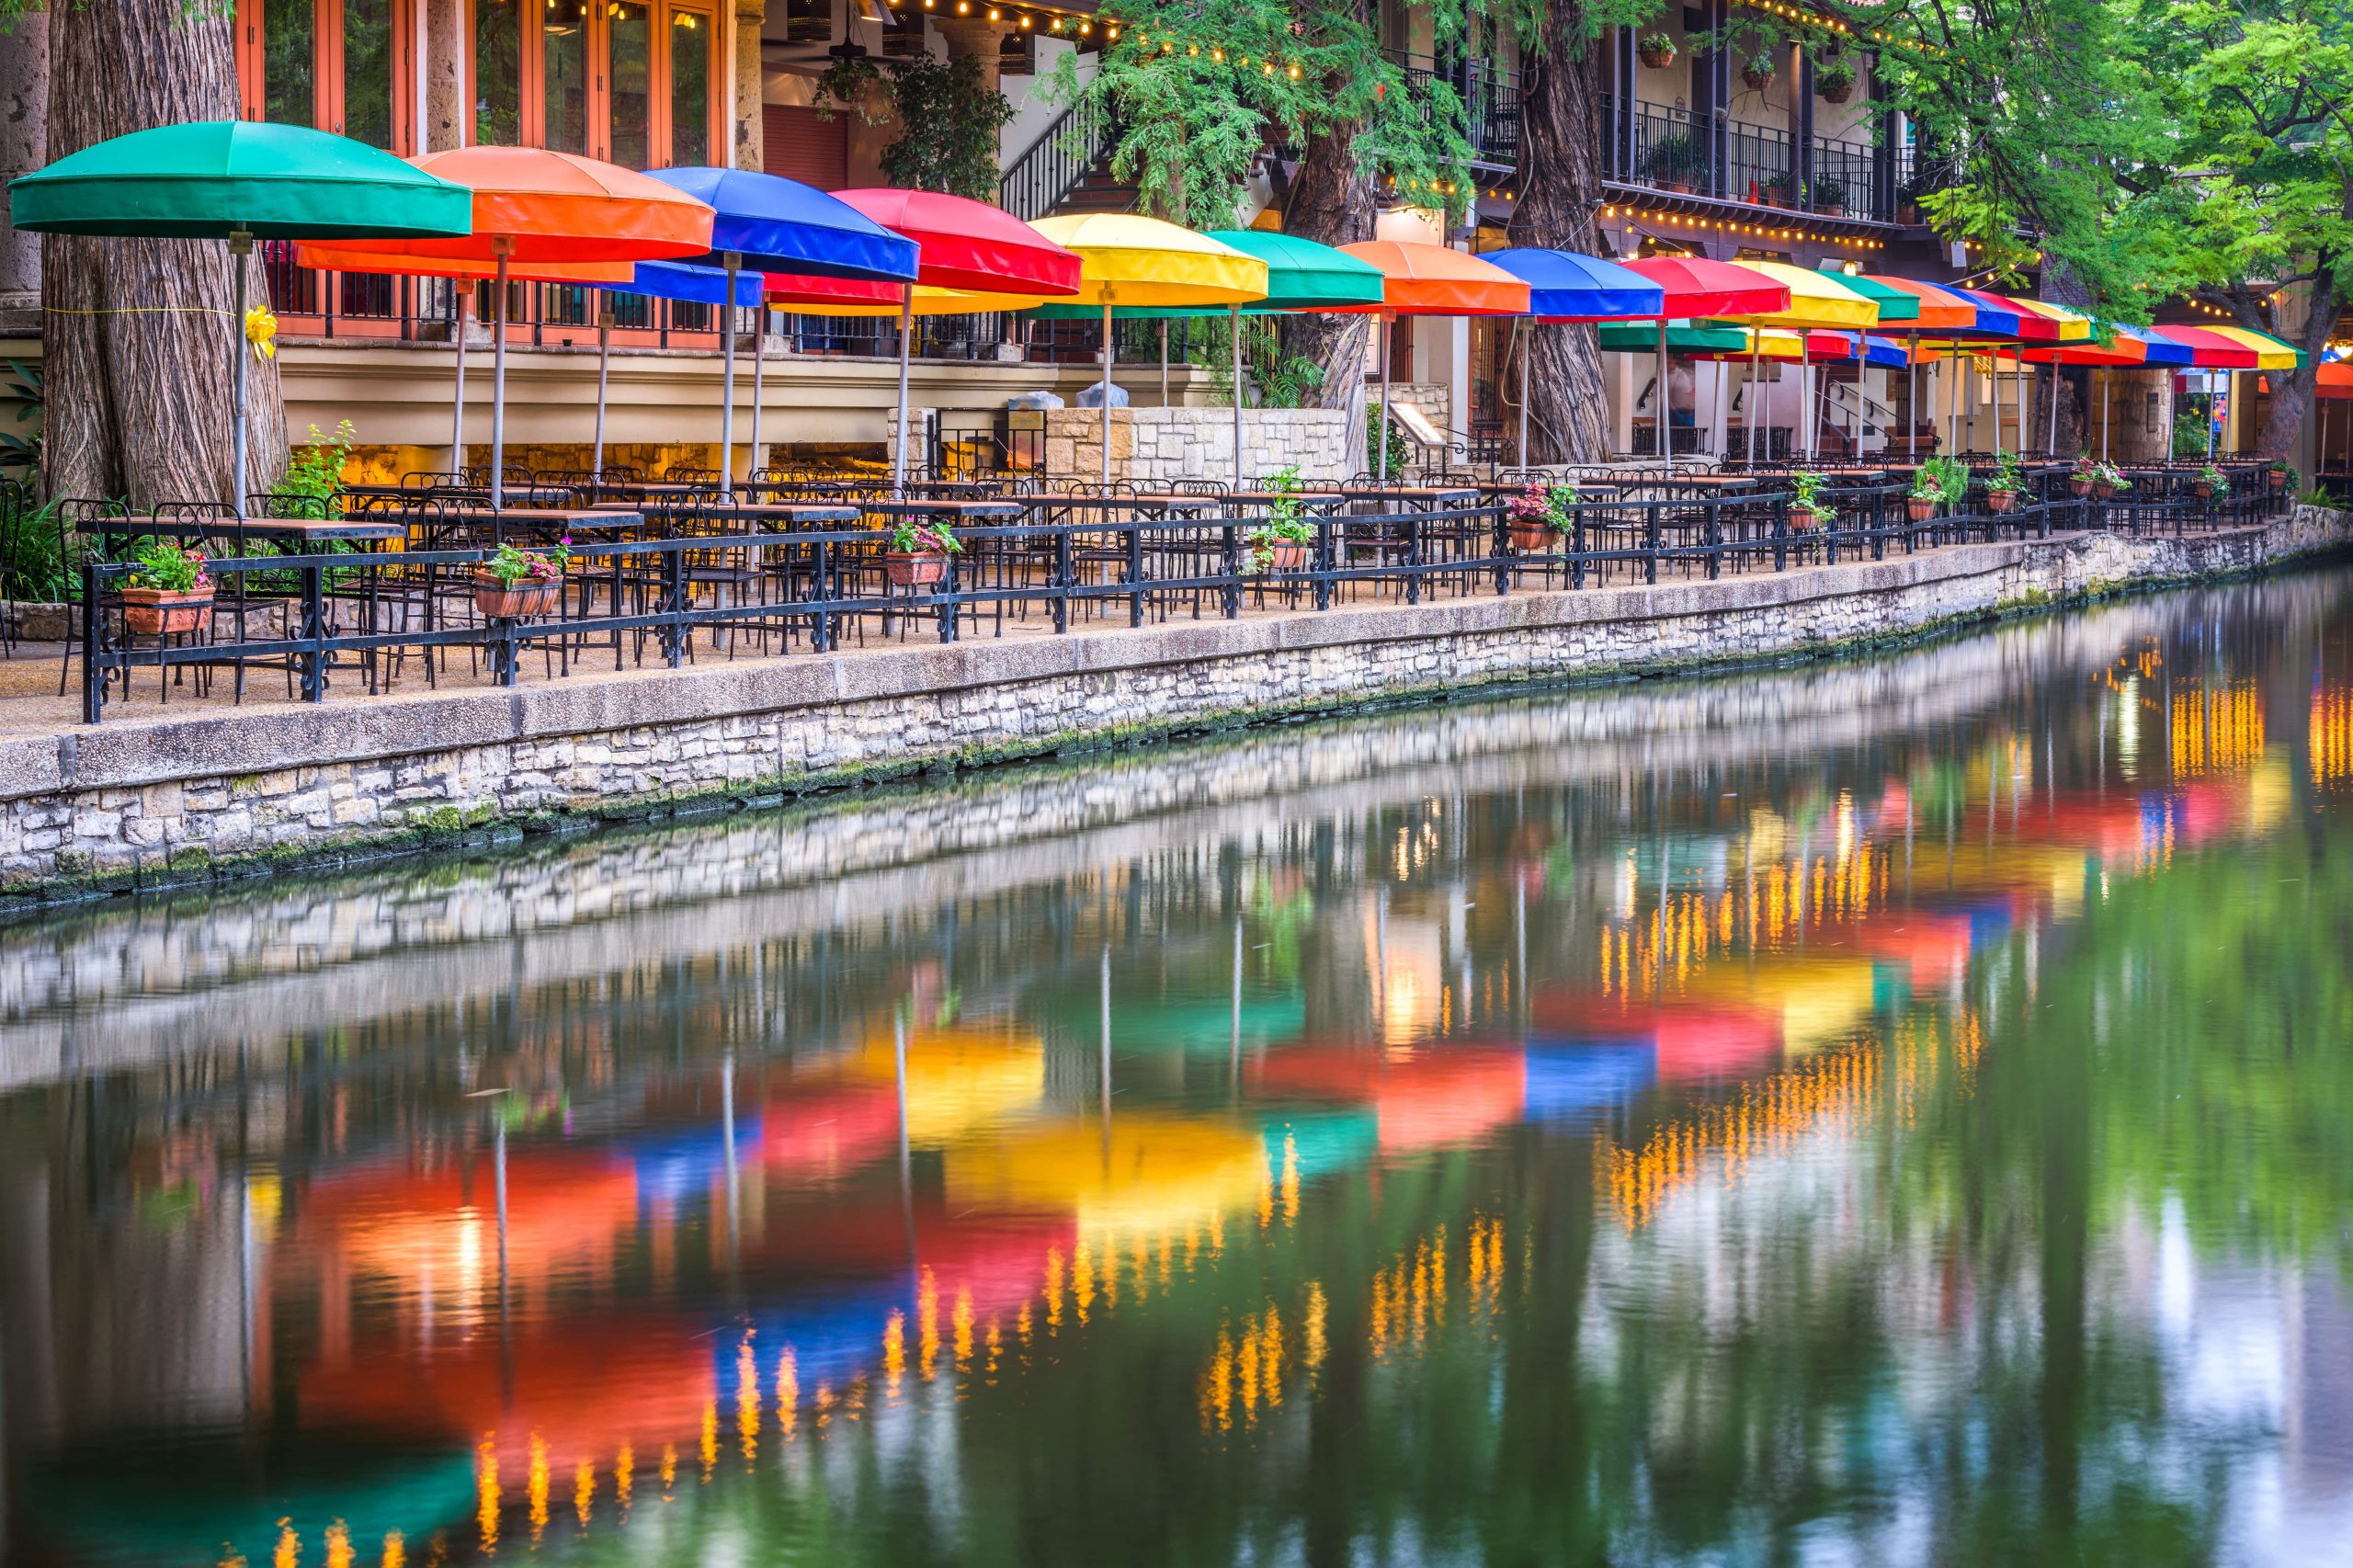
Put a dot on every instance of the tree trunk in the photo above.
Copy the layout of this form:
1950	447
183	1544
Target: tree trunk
2291	390
1560	181
136	334
1331	203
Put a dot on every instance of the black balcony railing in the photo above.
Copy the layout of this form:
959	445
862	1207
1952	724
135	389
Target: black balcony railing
1668	150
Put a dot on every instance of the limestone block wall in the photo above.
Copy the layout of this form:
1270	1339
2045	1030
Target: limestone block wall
175	796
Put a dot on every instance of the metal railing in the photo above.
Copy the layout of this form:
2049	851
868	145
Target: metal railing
1058	161
709	580
1668	150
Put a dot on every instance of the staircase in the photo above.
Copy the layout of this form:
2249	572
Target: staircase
1068	169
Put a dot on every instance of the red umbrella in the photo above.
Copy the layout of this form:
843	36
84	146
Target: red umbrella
2032	326
1697	287
2210	350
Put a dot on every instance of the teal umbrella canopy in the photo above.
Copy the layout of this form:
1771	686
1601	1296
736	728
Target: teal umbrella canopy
210	179
1301	276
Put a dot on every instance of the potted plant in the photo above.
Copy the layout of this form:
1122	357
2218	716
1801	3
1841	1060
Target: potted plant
2281	473
1759	70
1907	202
2003	490
1672	161
2209	484
1538	515
1280	545
2107	481
1808	506
2079	479
918	552
1926	495
170	594
1830	198
514	585
1835	80
1656	50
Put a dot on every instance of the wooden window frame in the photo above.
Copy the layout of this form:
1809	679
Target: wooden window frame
327	66
531	115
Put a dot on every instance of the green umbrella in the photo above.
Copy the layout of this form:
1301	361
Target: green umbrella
1642	337
1301	276
238	180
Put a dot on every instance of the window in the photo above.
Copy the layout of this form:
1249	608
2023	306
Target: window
629	81
337	64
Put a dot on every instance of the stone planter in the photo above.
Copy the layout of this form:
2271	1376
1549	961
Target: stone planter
2000	501
1533	535
164	612
914	568
1919	511
497	601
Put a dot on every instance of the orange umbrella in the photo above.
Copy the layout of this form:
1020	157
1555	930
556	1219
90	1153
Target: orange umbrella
1421	279
533	206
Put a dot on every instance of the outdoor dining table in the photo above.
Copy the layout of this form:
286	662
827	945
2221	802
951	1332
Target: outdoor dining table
365	529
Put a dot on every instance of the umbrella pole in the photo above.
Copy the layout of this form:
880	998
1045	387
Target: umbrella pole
759	381
240	245
734	262
1661	389
1754	414
465	287
1912	399
2103	412
2054	418
1106	399
1519	333
1235	315
498	384
1164	361
906	333
604	364
1381	430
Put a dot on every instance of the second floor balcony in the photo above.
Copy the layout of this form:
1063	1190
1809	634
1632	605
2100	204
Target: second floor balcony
1661	148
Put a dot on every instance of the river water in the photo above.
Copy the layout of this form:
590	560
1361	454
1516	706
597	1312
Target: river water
1896	1111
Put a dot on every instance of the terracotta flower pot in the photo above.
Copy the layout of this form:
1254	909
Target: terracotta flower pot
165	612
1283	554
2103	491
1531	535
1801	519
914	568
2204	491
2278	478
1919	511
497	601
1656	59
2001	500
2078	485
1907	213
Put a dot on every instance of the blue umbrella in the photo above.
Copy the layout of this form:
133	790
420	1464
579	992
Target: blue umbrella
673	280
1566	287
773	224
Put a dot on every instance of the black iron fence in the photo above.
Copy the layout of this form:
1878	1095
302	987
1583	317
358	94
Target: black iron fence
709	580
1669	150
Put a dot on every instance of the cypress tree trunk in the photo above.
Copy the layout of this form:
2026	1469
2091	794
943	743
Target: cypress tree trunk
1331	203
1559	192
135	334
2291	390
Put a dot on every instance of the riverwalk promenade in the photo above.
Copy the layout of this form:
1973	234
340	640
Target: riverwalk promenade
195	788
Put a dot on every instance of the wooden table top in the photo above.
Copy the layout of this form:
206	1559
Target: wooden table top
367	525
718	509
918	506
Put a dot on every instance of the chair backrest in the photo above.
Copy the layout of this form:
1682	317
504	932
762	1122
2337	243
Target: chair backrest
1199	487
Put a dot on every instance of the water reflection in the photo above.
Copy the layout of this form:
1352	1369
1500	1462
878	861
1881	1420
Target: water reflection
1878	1113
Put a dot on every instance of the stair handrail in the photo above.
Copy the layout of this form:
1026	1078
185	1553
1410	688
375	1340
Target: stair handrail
1041	178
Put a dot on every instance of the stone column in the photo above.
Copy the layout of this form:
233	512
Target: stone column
24	147
974	35
446	112
751	140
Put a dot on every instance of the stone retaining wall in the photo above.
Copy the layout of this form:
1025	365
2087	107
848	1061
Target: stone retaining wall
152	796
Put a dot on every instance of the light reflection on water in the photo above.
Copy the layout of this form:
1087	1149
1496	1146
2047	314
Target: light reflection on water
1899	1111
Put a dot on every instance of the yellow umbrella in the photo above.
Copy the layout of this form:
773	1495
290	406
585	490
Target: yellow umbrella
1144	263
1817	301
1150	1172
956	1079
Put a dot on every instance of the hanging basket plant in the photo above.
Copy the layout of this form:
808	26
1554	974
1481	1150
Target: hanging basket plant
1758	71
1835	81
1656	50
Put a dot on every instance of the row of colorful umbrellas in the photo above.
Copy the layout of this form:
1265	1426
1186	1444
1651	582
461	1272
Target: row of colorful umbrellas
511	213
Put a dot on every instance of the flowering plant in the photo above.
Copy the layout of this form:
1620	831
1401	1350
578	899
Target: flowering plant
909	537
171	568
528	568
2111	476
1541	503
2211	475
1806	495
2009	475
